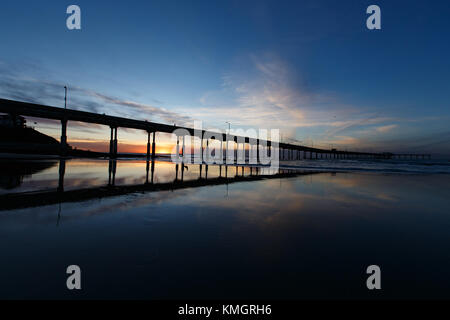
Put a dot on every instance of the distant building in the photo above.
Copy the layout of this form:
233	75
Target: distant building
12	121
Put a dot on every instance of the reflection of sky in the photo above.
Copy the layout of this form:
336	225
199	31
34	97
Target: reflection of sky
309	236
310	68
86	173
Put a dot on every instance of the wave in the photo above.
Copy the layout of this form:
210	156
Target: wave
379	166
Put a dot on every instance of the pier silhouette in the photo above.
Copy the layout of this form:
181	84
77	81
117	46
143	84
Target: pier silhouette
287	151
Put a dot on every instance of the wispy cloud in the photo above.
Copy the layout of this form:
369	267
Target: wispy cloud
26	83
265	93
264	97
268	94
387	128
142	109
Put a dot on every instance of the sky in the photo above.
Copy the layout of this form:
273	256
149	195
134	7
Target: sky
309	68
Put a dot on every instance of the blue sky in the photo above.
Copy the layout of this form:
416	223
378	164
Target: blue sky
309	68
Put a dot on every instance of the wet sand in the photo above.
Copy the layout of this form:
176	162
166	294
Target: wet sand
304	237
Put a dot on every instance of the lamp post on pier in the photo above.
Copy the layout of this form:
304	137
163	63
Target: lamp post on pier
226	144
65	97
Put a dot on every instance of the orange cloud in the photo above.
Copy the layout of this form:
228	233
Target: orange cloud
103	146
384	129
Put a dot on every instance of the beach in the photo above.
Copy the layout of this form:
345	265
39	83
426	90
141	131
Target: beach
302	237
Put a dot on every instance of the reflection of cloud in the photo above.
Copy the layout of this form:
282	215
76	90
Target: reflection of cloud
386	197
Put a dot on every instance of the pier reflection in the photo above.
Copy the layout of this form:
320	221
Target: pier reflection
62	171
112	172
75	181
12	173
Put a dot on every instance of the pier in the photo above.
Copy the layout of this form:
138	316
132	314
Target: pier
287	151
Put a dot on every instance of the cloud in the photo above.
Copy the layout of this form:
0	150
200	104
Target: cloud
387	128
27	83
263	92
342	141
267	93
140	108
262	96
